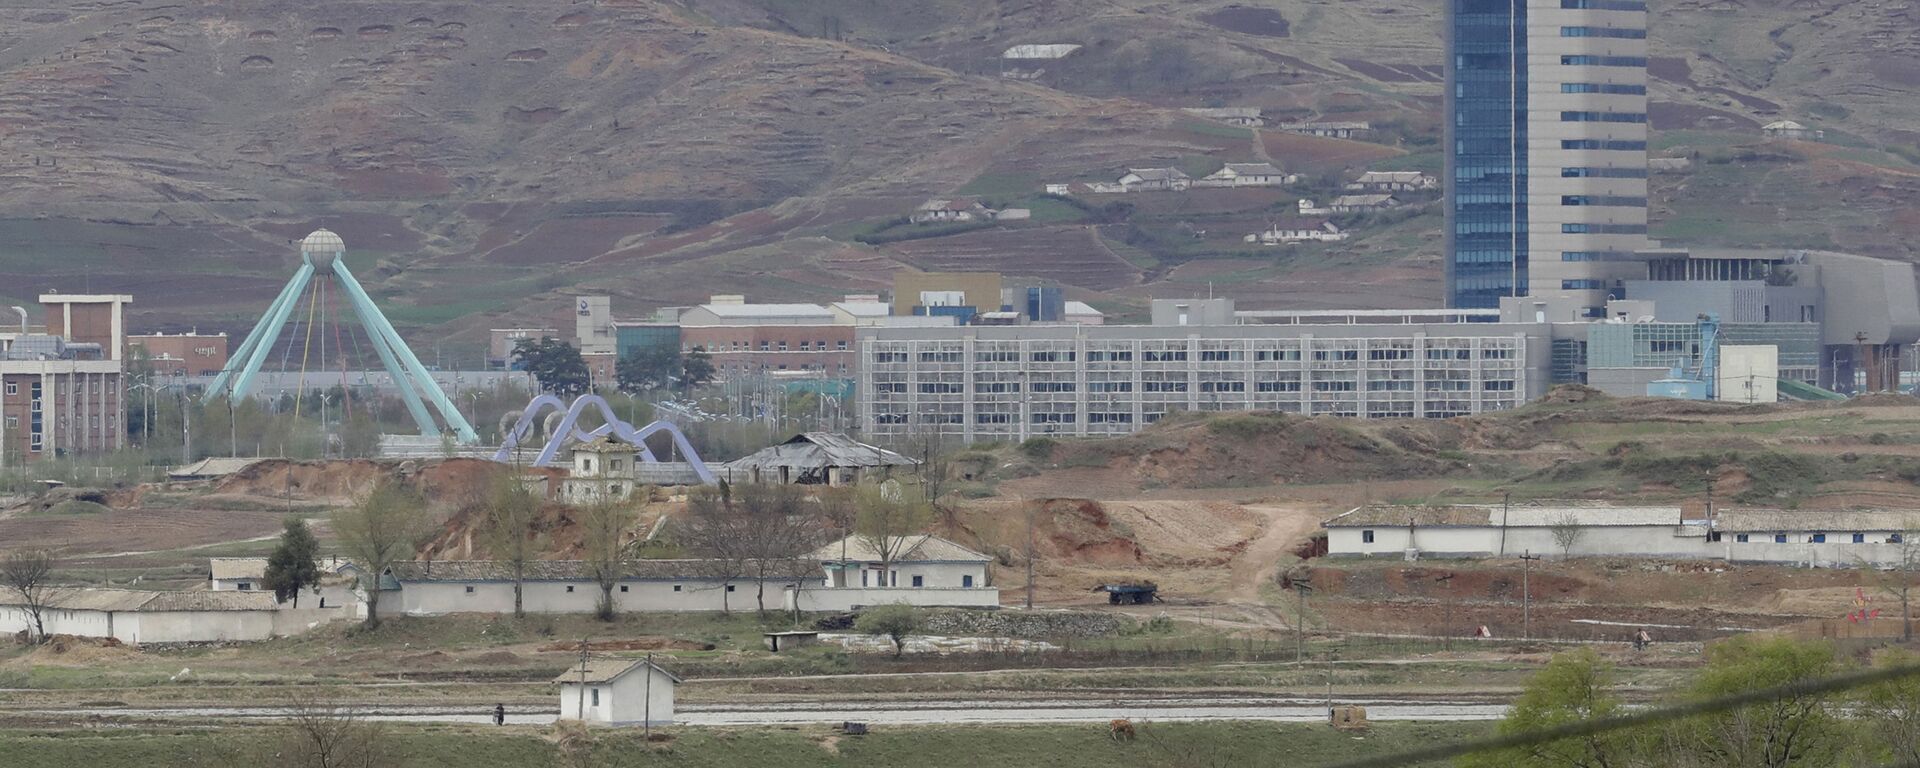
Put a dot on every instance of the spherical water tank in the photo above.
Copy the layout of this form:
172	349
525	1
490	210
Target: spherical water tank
321	248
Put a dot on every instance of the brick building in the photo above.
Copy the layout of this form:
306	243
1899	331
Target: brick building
180	354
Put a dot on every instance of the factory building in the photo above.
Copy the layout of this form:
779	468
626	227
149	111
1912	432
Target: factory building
974	383
61	386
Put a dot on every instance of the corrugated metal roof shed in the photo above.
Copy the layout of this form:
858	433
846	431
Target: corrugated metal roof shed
816	450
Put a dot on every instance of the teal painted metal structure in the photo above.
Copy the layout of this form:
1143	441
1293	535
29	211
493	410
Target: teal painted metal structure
324	252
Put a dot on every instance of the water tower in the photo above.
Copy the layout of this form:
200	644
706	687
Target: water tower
324	253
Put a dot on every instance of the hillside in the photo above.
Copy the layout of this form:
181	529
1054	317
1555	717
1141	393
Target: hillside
483	160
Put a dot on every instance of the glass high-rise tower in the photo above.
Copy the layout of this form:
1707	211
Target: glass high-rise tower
1546	136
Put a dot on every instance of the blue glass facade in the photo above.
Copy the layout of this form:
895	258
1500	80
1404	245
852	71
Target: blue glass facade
1487	144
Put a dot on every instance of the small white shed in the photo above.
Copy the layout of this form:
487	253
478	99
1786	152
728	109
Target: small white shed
617	692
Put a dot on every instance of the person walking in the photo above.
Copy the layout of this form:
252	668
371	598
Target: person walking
499	714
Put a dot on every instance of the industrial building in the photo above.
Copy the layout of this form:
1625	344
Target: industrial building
62	388
179	354
975	383
1546	104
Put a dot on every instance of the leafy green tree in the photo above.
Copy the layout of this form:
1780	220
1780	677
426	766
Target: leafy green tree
696	368
292	565
1572	688
1893	710
383	527
556	364
1796	730
895	620
647	369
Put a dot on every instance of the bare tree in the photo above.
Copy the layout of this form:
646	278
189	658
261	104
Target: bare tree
1567	532
383	527
603	543
782	526
27	571
330	735
510	529
886	521
717	529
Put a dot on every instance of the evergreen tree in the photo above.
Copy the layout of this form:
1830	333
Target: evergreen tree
292	566
556	364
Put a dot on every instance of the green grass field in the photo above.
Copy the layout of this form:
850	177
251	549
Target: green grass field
1056	746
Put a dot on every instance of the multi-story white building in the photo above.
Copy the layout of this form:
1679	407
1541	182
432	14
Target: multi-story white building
61	390
1014	382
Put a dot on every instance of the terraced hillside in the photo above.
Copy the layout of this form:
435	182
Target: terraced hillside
485	159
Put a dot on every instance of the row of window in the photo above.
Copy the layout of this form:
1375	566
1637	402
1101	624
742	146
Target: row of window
1616	200
1617	33
1573	116
1603	173
1818	538
1603	5
65	388
1594	255
1613	88
1611	145
1603	229
1584	60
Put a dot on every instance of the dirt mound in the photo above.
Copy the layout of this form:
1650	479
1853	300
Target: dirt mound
632	644
1254	449
446	480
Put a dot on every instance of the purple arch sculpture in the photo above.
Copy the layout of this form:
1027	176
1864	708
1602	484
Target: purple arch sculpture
569	428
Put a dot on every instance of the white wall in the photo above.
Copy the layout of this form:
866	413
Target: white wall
816	598
623	701
136	628
1434	541
436	598
931	575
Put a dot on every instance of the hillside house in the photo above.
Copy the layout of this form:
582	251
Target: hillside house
1308	207
1155	180
924	570
1299	230
1245	117
138	617
600	470
1393	181
1040	52
1364	203
1790	130
955	209
568	586
1329	130
1815	538
816	458
1058	189
1246	175
617	692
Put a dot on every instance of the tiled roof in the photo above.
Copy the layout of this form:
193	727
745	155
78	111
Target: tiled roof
822	449
1252	169
923	548
225	568
1540	515
604	670
561	570
1785	520
123	600
1157	174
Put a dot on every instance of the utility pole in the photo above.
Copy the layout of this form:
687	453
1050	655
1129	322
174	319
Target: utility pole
233	430
646	709
1709	501
1506	505
1526	596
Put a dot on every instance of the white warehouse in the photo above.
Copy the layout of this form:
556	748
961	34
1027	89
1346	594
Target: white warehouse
1491	530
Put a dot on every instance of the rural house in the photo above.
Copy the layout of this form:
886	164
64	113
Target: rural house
1488	530
1245	117
617	692
140	617
1296	229
815	458
1816	538
955	209
1393	181
1363	203
1245	175
247	574
1329	130
925	570
1154	180
422	588
1788	129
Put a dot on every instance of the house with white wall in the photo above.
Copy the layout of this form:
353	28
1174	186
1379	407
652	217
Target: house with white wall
1393	181
1298	229
248	574
1154	180
1246	175
1493	530
1816	538
608	691
139	617
423	588
924	570
601	470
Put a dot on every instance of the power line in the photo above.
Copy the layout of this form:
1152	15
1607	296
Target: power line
1828	685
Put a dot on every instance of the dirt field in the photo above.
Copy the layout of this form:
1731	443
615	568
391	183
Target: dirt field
139	530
